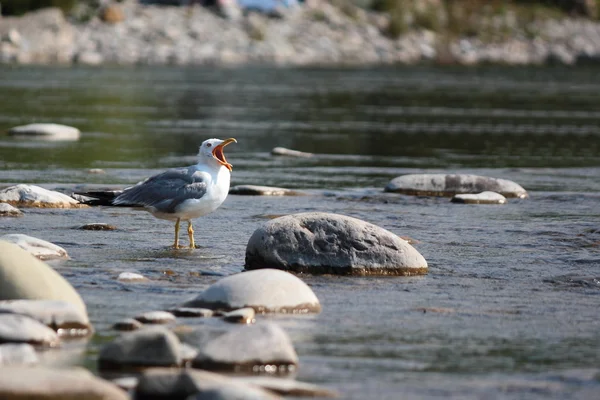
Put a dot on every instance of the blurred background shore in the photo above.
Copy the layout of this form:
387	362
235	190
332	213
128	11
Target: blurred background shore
292	33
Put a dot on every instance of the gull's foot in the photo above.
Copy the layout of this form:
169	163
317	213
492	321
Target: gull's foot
177	247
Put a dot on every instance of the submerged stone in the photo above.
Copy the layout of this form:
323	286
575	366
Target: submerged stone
450	185
35	196
128	324
240	316
253	190
324	243
156	317
6	210
49	131
98	226
16	328
266	291
39	248
261	348
479	198
131	277
282	151
191	312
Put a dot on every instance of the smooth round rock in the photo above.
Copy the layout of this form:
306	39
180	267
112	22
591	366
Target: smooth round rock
240	316
148	347
156	317
191	312
266	291
17	354
128	324
35	196
98	227
479	198
260	348
450	185
24	277
324	243
21	382
16	328
6	210
131	277
253	190
65	318
282	151
39	248
48	131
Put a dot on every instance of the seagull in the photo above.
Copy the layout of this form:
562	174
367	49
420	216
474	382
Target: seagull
182	193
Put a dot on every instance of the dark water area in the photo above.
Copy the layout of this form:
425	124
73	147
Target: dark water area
509	308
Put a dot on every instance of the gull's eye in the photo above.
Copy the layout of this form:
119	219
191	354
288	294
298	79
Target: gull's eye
208	145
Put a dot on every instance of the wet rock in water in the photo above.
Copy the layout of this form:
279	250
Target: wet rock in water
128	324
24	277
49	131
22	382
324	243
148	347
131	277
88	58
286	387
98	227
6	210
16	328
96	171
63	317
156	317
282	151
17	354
191	312
266	291
162	383
450	185
241	316
260	348
36	247
479	198
35	196
252	190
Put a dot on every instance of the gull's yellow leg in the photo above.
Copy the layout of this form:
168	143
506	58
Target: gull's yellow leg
176	244
191	235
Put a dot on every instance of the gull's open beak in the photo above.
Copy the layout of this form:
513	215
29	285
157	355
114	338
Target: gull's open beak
220	156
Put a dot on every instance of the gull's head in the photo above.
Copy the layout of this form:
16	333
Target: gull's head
212	149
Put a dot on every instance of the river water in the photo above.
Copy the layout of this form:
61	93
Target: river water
509	308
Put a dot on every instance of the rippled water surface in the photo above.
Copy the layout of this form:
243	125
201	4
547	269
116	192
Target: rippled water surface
510	306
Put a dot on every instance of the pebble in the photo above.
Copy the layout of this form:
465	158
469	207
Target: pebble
252	190
156	317
325	243
149	347
35	196
260	348
22	382
36	247
24	277
449	185
131	277
265	290
240	316
98	227
50	131
191	312
128	324
282	151
6	210
17	354
16	328
479	198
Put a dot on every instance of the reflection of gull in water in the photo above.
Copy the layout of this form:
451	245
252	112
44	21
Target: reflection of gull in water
182	193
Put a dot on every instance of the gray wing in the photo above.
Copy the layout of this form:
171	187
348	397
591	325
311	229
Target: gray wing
165	191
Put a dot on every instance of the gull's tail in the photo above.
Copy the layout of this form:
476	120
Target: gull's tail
98	197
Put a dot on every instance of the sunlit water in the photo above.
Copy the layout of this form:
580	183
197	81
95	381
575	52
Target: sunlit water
510	306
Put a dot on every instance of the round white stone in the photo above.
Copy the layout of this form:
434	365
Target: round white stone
480	198
35	196
50	131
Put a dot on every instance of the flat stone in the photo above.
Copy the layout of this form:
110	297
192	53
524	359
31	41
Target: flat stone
148	347
282	151
21	382
98	227
191	312
450	185
324	243
35	196
128	324
240	316
24	277
6	210
162	383
17	354
252	190
65	318
131	277
479	198
36	247
286	387
16	328
50	131
260	348
266	291
156	317
97	171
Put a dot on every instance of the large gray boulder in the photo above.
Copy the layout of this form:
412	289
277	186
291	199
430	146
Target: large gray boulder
35	196
265	290
450	185
16	328
324	243
22	276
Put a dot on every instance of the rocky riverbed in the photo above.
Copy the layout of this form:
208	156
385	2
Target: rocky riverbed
316	33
